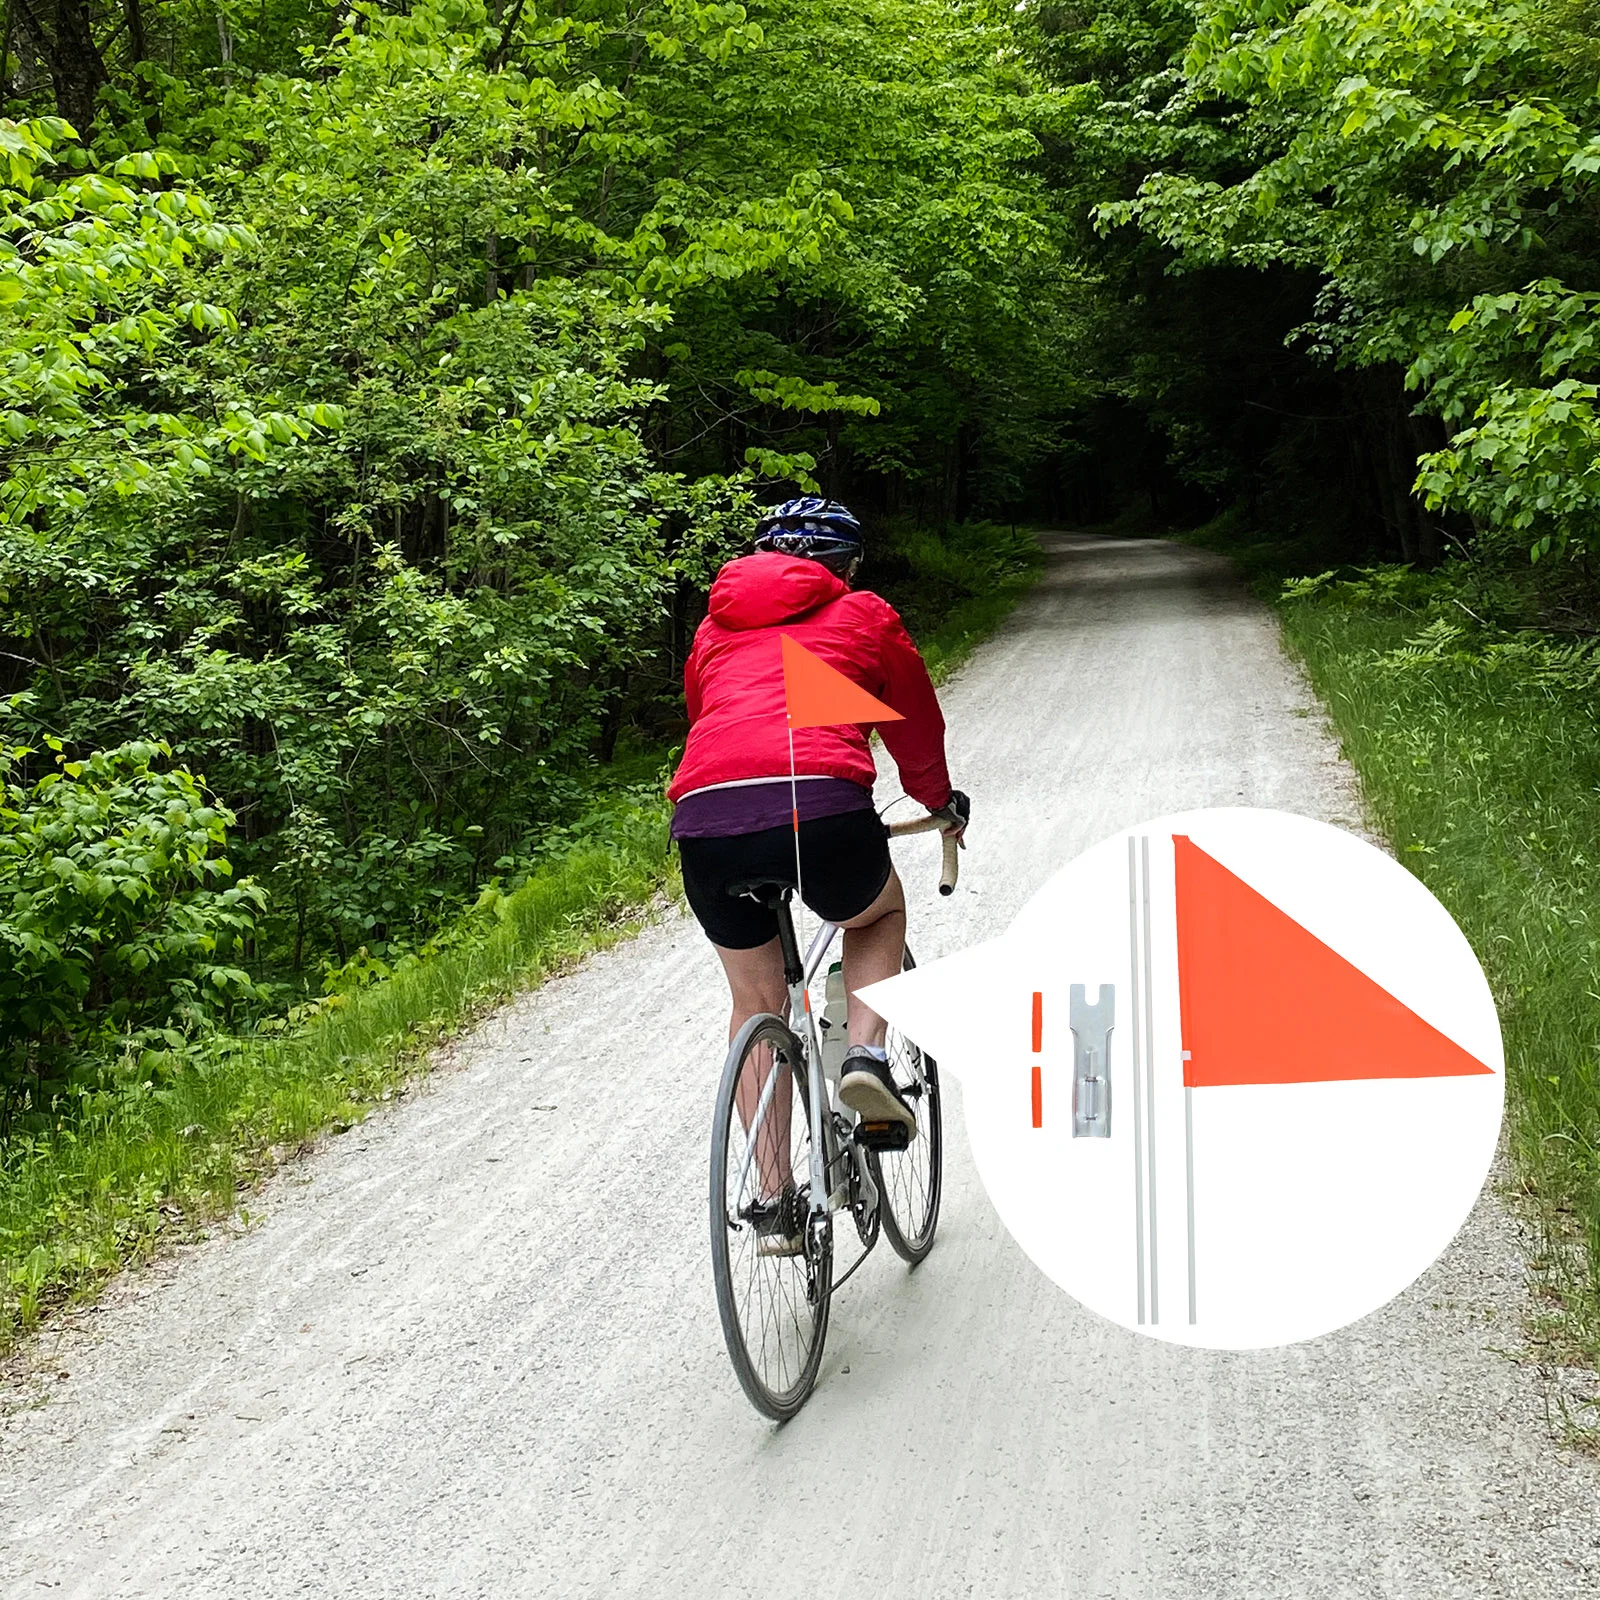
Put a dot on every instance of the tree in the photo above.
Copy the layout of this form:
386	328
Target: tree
1430	164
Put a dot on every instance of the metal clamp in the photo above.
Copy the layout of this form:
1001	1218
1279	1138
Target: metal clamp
1091	1061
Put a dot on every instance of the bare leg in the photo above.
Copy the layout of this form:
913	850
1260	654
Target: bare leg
755	978
874	946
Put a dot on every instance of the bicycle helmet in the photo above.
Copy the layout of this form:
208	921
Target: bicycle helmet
822	530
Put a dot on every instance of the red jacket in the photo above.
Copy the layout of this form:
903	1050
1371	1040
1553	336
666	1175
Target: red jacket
733	680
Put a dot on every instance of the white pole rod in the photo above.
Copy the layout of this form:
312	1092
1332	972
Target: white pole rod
1138	1098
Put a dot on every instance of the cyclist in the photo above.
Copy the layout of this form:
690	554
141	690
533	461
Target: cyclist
732	800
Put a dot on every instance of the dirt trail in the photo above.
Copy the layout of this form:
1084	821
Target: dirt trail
472	1349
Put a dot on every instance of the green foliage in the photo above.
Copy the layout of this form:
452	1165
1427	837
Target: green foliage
1479	750
88	1192
123	1159
117	924
1434	165
98	281
954	587
378	413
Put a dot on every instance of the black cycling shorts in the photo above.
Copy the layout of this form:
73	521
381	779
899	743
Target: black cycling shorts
844	861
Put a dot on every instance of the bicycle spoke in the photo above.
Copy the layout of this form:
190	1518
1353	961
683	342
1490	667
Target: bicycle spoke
911	1177
774	1307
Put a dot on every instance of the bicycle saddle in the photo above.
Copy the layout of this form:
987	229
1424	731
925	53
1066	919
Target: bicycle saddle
769	891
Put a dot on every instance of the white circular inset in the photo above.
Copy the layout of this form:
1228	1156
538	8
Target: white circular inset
1344	1076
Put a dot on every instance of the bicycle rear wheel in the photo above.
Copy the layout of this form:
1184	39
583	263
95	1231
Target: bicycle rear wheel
910	1181
774	1307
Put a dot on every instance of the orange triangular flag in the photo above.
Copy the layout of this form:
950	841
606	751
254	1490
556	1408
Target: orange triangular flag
1262	1000
820	696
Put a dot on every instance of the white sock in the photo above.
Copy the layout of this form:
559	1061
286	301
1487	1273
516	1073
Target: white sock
876	1051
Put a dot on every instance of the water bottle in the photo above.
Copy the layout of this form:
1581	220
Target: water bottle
835	1030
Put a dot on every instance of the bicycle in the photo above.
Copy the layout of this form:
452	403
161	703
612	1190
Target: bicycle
774	1307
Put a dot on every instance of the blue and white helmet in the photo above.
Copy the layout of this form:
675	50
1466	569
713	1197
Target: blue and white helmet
822	530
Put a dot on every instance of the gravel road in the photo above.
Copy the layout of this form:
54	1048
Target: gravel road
471	1349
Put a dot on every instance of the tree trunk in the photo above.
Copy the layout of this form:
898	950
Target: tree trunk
948	479
1402	472
5	56
138	48
1427	434
616	697
77	72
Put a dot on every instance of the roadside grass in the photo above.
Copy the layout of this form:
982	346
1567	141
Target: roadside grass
136	1165
1479	751
969	623
1264	557
955	589
142	1164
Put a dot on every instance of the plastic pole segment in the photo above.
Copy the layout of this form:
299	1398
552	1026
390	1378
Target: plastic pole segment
1138	1097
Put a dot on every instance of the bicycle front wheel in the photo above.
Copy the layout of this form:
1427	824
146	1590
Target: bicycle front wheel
773	1268
910	1181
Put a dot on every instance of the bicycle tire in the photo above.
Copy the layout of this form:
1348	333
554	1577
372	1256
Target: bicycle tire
776	1375
911	1181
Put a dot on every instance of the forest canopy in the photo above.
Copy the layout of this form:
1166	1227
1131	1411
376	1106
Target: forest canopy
381	385
381	388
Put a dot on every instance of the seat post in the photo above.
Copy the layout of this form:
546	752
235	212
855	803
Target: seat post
793	968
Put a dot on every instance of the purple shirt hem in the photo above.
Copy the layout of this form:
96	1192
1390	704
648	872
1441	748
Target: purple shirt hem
753	807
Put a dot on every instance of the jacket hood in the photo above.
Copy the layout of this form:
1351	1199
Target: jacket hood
766	588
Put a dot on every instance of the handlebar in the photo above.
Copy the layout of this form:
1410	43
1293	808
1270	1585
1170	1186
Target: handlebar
936	822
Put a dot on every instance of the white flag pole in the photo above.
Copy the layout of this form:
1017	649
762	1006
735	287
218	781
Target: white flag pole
1138	1062
794	812
1188	1166
1188	1099
1150	1083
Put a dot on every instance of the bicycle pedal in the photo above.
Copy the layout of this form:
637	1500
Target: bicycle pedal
883	1135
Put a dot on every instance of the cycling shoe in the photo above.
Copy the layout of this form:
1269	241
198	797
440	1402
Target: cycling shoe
866	1085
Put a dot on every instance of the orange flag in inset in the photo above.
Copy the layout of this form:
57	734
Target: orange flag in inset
819	696
1263	1001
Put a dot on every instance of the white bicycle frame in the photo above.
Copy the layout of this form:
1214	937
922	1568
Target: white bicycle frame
803	1024
823	1110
